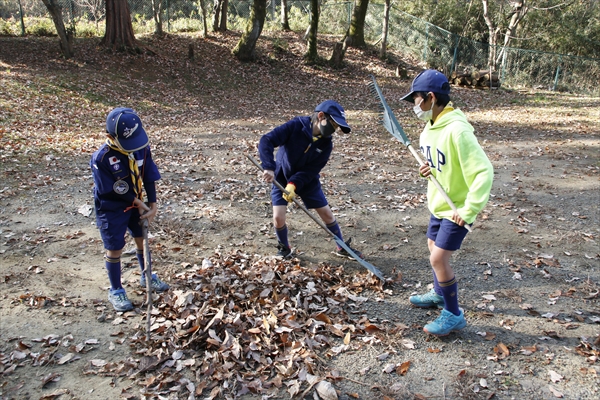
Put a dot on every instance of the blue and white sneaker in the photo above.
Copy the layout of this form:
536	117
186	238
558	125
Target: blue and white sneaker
427	300
118	299
446	323
156	283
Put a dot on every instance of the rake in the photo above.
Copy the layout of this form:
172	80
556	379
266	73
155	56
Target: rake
339	241
392	125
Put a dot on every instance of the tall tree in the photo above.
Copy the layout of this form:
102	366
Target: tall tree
384	30
244	50
157	10
493	34
311	54
220	15
355	35
119	30
285	23
66	38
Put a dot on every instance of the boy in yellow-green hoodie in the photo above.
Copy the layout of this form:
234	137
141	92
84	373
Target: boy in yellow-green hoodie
457	161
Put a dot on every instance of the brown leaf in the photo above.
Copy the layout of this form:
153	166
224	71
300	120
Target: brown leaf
323	318
52	377
402	369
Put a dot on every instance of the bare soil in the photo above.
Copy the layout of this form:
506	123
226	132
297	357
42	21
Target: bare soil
238	322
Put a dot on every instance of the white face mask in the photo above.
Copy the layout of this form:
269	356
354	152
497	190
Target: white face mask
424	115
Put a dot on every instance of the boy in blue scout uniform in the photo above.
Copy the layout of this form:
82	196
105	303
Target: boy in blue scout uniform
305	144
121	168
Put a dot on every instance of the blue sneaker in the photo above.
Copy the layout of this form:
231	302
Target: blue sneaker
427	300
156	283
118	299
446	323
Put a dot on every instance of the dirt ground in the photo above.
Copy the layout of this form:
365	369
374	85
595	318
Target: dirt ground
529	276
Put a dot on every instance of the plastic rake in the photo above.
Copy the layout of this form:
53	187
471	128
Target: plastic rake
392	125
339	241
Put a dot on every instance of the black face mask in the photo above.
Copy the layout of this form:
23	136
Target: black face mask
327	129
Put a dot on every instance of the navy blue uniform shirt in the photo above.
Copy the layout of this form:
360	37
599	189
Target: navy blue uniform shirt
299	159
113	186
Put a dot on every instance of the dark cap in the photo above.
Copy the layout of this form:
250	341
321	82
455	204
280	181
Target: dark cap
336	112
125	126
429	80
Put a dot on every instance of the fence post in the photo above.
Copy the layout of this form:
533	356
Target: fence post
557	73
349	8
455	52
426	42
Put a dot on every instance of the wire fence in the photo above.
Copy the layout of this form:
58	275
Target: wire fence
426	42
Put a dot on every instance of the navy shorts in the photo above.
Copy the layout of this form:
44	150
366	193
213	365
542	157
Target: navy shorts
312	197
114	226
446	234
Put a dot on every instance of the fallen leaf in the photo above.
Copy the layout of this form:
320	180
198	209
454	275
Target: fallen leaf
555	377
326	391
402	369
556	393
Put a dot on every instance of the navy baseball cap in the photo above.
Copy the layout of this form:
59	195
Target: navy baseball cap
125	126
429	80
336	112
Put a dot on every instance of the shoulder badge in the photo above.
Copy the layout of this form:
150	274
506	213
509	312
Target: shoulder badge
121	187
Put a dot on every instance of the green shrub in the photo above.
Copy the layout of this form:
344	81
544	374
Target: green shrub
186	25
9	27
142	25
39	26
87	29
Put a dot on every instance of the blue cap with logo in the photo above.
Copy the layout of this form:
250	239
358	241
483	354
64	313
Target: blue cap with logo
125	126
336	112
429	80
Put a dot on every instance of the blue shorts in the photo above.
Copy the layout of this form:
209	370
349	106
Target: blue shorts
114	226
446	234
312	197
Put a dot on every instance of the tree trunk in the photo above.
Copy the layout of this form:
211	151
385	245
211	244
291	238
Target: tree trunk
492	33
205	25
519	11
285	23
311	54
66	40
158	16
119	31
356	30
244	51
217	6
384	30
223	24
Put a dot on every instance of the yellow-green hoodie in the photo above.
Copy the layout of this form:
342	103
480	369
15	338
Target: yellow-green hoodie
459	164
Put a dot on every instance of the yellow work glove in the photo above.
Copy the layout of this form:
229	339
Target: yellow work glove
291	189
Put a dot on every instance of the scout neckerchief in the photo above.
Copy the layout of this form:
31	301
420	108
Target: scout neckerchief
133	167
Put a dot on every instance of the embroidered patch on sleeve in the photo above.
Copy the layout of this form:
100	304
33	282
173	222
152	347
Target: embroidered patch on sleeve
121	187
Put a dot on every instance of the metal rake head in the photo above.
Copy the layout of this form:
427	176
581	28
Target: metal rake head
388	119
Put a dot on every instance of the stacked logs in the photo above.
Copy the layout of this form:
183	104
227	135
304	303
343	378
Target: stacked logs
475	79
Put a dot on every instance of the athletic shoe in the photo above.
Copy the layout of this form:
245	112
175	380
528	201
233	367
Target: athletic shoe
446	323
156	283
340	251
427	300
118	298
284	251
